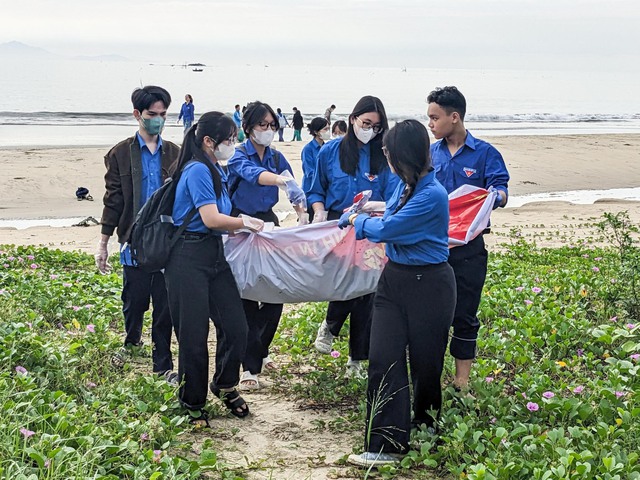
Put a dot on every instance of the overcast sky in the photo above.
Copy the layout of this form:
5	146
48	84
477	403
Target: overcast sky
459	33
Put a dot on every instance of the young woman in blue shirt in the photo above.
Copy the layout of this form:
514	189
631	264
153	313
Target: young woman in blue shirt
319	130
256	171
415	299
187	112
200	284
346	167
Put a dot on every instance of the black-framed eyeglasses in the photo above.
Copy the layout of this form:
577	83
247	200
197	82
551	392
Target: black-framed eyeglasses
367	125
265	125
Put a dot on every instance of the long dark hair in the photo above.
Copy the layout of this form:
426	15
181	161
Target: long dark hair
216	125
349	147
254	114
407	145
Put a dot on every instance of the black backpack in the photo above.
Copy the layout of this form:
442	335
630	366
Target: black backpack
153	234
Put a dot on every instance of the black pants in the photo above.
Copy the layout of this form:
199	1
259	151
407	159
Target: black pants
413	308
469	263
138	288
262	318
360	309
201	287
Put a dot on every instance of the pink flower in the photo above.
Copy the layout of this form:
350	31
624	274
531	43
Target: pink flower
528	302
585	256
11	259
66	285
30	257
3	291
631	326
635	357
578	389
488	379
620	394
27	433
524	395
91	327
75	308
532	406
335	354
613	280
156	455
548	395
580	352
20	369
613	319
537	280
536	289
88	306
597	259
595	269
29	324
144	437
91	385
53	276
47	463
33	266
519	289
5	265
493	420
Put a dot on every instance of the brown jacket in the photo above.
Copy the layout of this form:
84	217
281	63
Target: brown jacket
123	182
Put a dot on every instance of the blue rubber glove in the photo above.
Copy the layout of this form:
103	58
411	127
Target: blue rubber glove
500	195
344	220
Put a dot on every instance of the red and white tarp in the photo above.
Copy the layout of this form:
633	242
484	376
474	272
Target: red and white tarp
320	262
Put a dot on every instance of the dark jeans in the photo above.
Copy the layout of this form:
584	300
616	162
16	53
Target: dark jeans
360	309
139	287
413	308
201	287
469	263
280	132
262	318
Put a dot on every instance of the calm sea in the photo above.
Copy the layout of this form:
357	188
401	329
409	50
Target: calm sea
80	102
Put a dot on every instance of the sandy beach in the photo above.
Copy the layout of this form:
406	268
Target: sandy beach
40	182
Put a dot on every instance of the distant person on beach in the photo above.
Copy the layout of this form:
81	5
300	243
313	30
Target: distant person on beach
187	112
319	130
461	159
298	123
237	118
346	167
328	112
137	167
339	129
256	172
282	124
414	300
200	284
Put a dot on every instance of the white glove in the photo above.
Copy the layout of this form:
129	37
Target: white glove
373	206
294	193
252	223
320	216
303	217
102	257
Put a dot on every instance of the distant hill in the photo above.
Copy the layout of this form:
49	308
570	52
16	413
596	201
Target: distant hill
22	50
18	49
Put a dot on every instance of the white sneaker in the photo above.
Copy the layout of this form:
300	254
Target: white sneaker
324	339
368	459
355	369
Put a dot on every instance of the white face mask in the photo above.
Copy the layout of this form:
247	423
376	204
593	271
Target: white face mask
325	135
263	138
364	136
224	152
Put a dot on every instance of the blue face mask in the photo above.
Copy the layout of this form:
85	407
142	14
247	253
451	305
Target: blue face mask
153	126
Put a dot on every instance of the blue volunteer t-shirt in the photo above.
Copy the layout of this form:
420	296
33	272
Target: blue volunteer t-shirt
336	189
151	181
195	189
418	234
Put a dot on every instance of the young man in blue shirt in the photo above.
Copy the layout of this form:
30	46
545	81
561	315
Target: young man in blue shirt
459	159
137	167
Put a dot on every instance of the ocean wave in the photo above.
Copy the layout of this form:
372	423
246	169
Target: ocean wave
114	118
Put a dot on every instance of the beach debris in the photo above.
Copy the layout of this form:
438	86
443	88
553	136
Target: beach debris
87	222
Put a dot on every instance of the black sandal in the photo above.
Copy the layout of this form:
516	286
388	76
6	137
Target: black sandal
197	417
233	401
